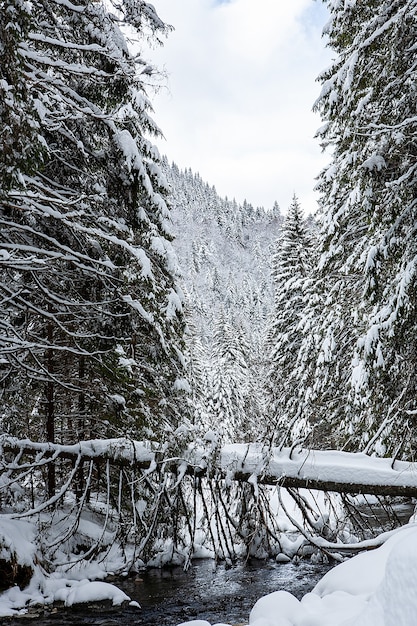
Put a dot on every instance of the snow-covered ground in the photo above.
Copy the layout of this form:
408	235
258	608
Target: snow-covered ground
76	585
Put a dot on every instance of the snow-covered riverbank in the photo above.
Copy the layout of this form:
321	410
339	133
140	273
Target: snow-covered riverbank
374	588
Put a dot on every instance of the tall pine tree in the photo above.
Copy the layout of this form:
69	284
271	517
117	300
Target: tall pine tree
365	353
292	264
91	321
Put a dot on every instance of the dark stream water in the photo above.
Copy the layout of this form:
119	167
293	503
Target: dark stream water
169	597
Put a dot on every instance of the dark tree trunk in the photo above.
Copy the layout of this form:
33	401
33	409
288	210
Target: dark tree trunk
50	408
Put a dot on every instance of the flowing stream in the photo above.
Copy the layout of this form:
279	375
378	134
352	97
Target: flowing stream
169	597
218	594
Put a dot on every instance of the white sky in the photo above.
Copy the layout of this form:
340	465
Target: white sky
241	85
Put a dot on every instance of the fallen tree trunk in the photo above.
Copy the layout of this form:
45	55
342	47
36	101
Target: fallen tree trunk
324	470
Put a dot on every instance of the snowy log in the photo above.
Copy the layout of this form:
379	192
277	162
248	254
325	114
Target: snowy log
119	451
326	470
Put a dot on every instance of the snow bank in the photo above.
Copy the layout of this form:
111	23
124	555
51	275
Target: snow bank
44	590
17	547
375	588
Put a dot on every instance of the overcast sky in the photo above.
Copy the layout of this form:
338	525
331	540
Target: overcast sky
241	85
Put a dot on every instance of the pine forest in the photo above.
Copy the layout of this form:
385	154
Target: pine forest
168	356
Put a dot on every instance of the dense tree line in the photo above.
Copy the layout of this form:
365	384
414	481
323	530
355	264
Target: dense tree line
91	318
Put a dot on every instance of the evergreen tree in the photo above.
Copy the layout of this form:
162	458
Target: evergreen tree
291	275
230	375
365	354
91	321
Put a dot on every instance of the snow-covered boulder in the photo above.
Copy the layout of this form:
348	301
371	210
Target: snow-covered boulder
17	553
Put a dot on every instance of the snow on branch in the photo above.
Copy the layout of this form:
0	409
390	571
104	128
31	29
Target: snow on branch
120	451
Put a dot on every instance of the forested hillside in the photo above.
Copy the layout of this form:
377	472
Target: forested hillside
225	252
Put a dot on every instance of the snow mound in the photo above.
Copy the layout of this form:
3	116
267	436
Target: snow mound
374	588
87	592
17	541
195	622
264	613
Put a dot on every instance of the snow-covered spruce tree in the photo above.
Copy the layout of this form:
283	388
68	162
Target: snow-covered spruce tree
227	398
91	322
292	262
367	351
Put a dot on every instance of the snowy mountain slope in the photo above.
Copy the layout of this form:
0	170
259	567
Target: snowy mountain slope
225	252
